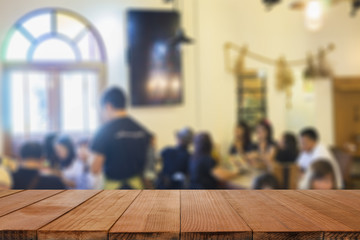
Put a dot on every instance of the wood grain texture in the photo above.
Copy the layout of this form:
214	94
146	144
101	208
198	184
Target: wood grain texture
91	220
320	219
153	215
269	219
339	197
341	212
4	193
207	215
174	214
22	199
23	223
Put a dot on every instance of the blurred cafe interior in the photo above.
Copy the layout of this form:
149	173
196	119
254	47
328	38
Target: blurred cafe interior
180	94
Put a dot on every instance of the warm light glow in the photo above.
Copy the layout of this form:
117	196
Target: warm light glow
314	15
157	86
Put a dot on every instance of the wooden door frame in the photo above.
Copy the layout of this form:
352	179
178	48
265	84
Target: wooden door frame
349	84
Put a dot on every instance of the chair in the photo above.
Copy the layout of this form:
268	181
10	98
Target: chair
345	161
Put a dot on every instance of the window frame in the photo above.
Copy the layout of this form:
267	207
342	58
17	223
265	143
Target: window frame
10	144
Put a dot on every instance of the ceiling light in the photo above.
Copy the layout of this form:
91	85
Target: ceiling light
314	15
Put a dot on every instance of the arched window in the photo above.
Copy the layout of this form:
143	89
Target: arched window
54	67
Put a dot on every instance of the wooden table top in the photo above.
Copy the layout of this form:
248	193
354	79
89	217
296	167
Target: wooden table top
179	214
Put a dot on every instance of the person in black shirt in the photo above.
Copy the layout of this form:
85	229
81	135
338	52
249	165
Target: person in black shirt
28	176
120	147
176	162
202	164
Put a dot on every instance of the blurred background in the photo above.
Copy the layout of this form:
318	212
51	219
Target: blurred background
254	77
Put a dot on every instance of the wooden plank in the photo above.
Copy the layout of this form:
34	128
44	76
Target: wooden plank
343	212
91	220
338	197
155	214
269	219
22	199
4	193
323	221
207	215
24	223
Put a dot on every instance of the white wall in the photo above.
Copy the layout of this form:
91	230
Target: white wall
275	33
210	91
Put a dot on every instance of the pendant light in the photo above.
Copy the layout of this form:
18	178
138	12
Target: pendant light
314	14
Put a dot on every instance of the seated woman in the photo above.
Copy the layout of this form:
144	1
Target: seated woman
202	164
322	176
242	146
263	155
49	152
66	155
288	150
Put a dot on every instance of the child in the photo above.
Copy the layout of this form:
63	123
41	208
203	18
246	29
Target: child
266	181
29	175
322	175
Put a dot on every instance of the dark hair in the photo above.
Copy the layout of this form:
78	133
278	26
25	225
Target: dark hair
320	169
69	145
266	124
83	142
203	144
291	143
49	151
115	97
266	180
247	134
290	152
310	133
31	150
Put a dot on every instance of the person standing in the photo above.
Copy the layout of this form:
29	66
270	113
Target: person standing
121	145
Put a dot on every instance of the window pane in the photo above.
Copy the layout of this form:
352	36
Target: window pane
79	102
72	102
92	101
18	47
38	103
69	26
89	48
17	103
54	50
39	25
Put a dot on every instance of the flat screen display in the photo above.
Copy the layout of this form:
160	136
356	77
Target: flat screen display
155	62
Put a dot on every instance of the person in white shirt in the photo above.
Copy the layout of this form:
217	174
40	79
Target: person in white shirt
312	151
